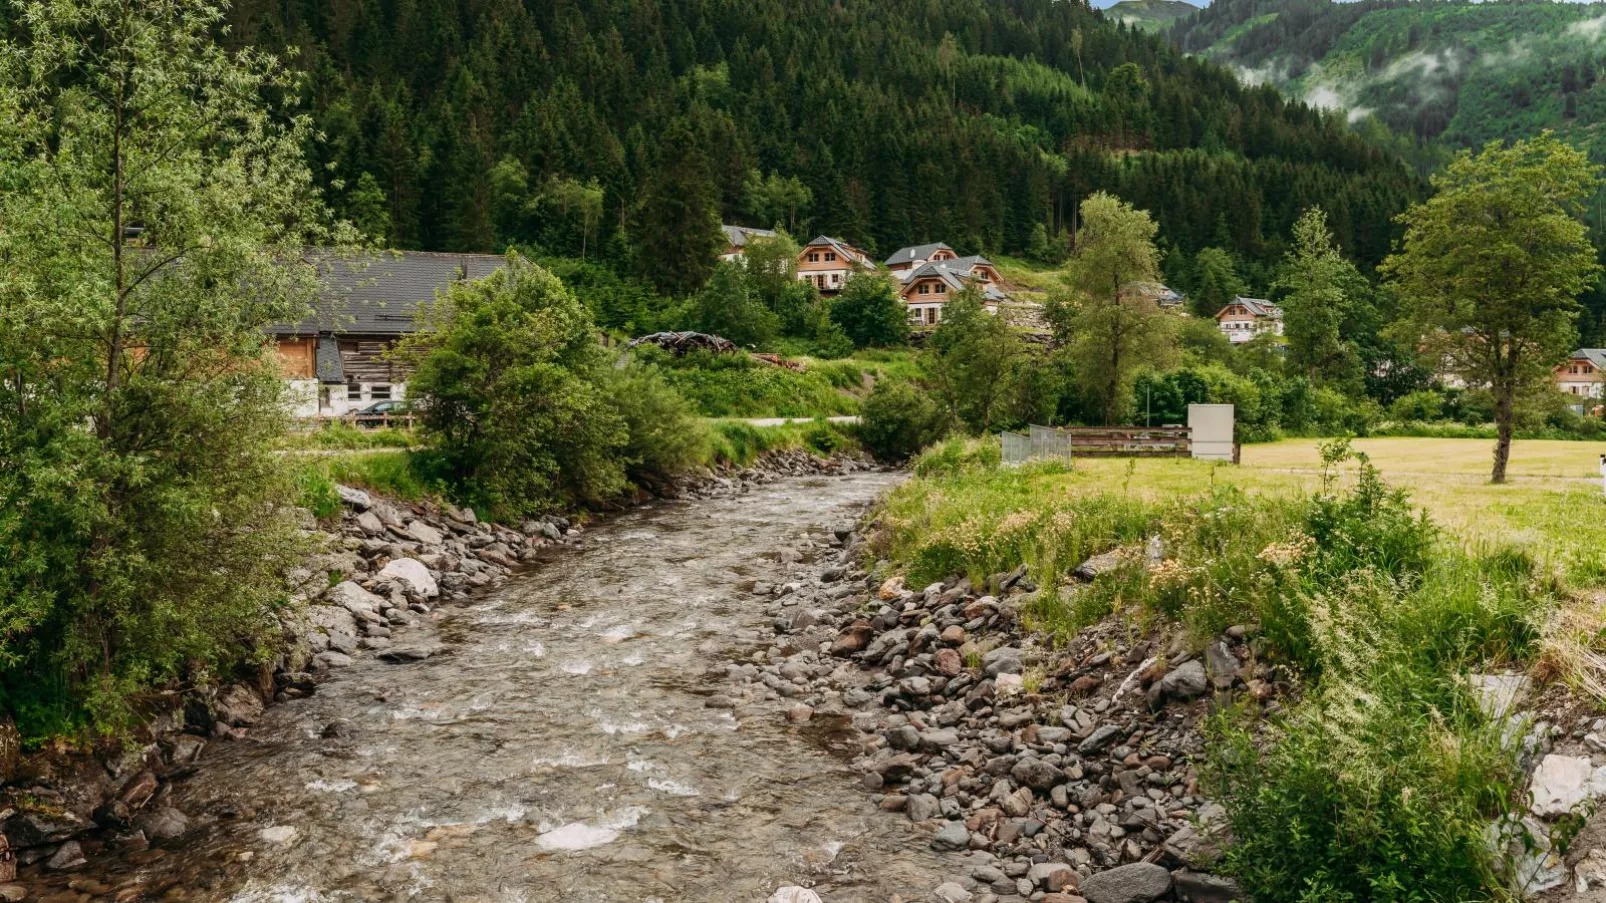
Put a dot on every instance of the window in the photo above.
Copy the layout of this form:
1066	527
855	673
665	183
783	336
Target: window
925	289
379	391
830	256
835	278
814	257
353	392
942	288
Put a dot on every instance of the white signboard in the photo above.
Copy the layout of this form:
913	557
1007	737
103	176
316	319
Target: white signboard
1212	426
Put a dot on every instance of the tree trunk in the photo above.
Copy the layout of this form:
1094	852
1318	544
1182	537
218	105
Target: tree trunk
1503	405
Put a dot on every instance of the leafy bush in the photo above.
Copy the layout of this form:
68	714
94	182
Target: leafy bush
664	437
508	388
899	420
736	385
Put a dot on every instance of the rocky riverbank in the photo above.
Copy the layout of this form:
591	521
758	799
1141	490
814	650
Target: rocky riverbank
1070	774
376	589
1054	775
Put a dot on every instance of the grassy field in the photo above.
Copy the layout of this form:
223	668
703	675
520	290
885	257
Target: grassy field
1553	506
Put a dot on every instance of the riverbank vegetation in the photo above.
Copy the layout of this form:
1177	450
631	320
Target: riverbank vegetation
1365	602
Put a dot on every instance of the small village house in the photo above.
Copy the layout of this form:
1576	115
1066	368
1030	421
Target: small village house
913	257
1245	318
1582	376
737	239
336	360
928	287
1162	295
828	262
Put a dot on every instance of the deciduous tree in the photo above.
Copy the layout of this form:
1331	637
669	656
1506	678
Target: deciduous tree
1111	333
154	207
1491	267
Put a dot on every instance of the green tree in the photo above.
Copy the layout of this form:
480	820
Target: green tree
1111	333
1215	282
1491	267
507	382
898	420
727	307
769	266
676	233
1318	282
155	210
776	199
870	312
975	362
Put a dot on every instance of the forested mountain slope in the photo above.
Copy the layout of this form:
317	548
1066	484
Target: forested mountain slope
1151	14
466	124
1462	72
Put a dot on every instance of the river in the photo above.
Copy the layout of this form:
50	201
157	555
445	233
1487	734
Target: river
562	748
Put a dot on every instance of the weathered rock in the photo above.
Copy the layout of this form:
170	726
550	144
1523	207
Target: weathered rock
1003	660
355	498
67	856
354	599
1052	876
369	523
1140	882
951	836
921	807
949	892
279	834
332	618
238	705
411	571
794	894
410	652
1036	774
1185	682
1562	783
1498	695
424	533
1101	737
1222	665
13	893
1590	872
163	823
1098	564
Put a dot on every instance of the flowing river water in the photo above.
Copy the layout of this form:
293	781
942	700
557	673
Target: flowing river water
562	748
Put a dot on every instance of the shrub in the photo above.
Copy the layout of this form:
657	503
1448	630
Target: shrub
508	388
899	420
1418	406
663	436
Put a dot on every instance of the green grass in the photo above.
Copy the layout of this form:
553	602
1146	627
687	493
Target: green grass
336	436
735	386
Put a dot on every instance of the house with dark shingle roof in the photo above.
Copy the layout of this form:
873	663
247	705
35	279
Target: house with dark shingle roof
737	237
336	359
1583	376
828	262
928	287
905	259
1245	318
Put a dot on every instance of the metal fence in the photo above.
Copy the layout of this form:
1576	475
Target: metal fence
1038	443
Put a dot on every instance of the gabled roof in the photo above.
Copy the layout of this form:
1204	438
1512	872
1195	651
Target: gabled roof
1596	356
738	236
843	248
965	264
1257	307
382	294
957	278
1163	295
916	252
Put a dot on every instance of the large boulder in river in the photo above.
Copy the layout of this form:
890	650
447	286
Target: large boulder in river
411	572
238	705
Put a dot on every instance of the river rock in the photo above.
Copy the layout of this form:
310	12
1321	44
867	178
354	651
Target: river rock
921	807
369	523
1003	660
1036	774
67	856
410	652
949	892
354	599
1140	882
1185	682
424	533
354	498
1222	665
411	572
238	705
794	894
952	836
1052	876
332	618
163	823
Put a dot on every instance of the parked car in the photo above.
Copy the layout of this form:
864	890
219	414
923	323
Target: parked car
382	413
